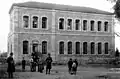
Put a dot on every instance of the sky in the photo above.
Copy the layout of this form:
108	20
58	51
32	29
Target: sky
5	19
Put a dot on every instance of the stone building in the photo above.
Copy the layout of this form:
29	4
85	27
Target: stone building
62	30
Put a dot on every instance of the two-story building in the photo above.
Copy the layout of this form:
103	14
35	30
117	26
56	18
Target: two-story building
62	30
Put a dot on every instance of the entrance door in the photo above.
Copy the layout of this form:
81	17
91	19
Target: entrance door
35	48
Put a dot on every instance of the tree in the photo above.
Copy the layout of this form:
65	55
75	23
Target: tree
116	8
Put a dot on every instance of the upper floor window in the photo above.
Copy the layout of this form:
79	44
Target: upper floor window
44	22
61	23
84	24
99	25
35	22
25	47
25	21
77	24
84	47
61	47
69	24
105	26
92	25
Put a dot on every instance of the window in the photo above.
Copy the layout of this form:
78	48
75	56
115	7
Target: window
92	25
92	48
99	48
84	24
84	47
25	21
105	26
35	22
25	47
77	47
69	24
77	24
44	47
61	47
70	47
106	48
99	25
44	22
61	23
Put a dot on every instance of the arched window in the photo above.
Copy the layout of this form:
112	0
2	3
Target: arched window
35	22
77	24
99	48
44	22
25	21
61	23
106	48
61	47
92	48
84	24
99	25
84	47
77	45
92	25
69	24
69	47
44	47
105	26
25	47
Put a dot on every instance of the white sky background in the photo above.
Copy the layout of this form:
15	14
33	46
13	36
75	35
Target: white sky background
6	4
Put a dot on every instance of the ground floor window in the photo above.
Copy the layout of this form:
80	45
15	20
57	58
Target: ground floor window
61	47
70	47
99	48
77	47
25	47
44	47
106	48
92	48
84	47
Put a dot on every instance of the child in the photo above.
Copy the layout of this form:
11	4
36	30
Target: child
74	68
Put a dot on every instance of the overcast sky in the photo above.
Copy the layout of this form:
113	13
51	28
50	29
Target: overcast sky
6	4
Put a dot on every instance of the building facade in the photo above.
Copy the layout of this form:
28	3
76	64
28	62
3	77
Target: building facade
62	30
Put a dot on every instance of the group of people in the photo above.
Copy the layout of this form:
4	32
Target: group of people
38	61
34	62
72	66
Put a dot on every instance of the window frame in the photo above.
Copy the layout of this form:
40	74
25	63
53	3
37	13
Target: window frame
27	47
71	49
42	46
64	28
83	25
67	24
79	24
83	48
59	47
28	21
90	26
32	22
46	24
107	26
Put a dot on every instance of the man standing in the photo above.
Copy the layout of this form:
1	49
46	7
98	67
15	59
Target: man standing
11	66
48	64
70	62
23	64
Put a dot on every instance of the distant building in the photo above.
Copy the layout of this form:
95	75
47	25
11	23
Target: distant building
62	30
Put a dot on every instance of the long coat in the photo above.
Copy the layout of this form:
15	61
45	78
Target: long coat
11	66
48	63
